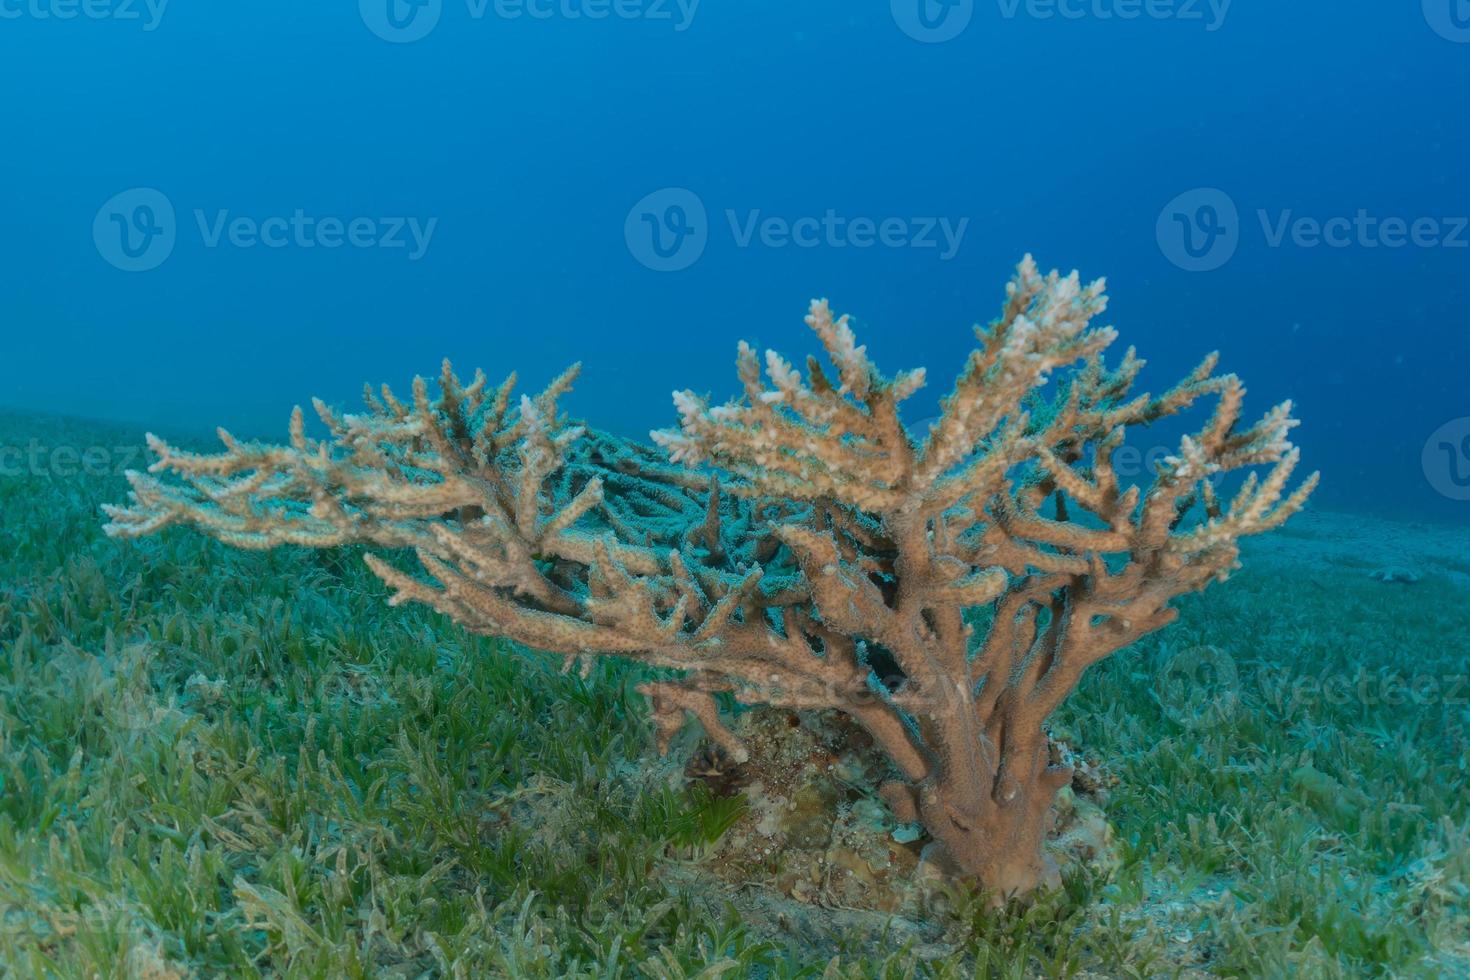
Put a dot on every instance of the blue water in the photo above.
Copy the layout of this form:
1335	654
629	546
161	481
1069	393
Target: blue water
518	147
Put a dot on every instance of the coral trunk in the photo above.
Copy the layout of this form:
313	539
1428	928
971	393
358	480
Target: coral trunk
987	803
998	844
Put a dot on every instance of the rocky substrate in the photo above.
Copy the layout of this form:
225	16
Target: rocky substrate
816	848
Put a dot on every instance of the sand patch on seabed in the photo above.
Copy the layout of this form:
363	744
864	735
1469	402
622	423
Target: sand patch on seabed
1330	540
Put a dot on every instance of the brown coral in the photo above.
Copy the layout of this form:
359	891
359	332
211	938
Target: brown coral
837	549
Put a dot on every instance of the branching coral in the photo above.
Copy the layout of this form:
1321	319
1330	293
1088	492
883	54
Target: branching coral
805	550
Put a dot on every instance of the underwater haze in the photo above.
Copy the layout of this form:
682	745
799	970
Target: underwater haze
698	665
218	211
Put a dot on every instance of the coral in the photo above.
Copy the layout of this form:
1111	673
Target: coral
814	831
804	551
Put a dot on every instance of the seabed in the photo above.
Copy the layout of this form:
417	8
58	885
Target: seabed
247	764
